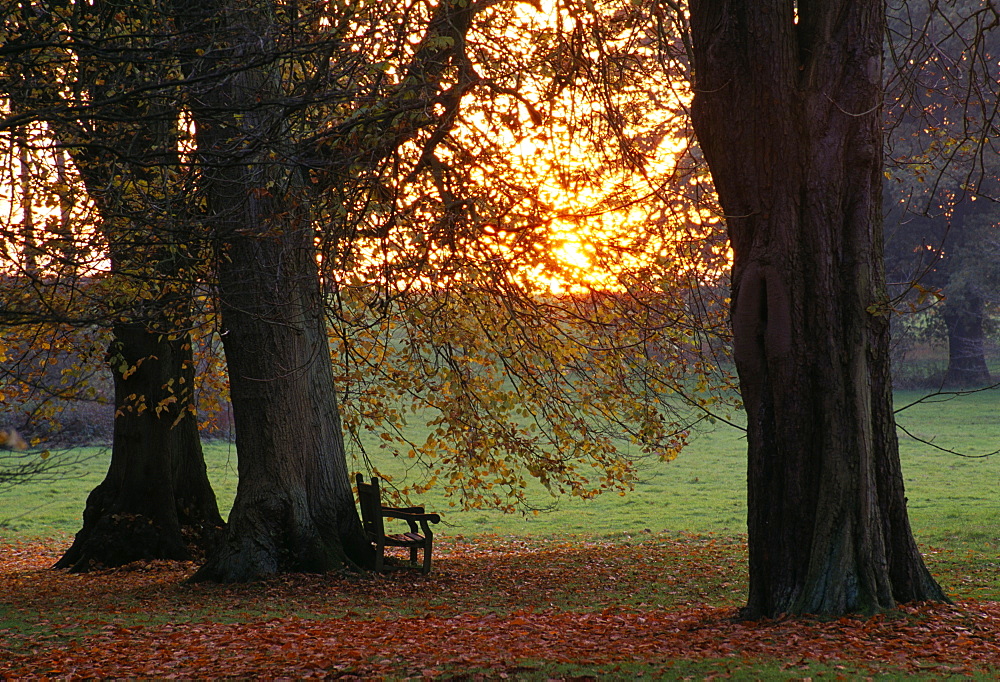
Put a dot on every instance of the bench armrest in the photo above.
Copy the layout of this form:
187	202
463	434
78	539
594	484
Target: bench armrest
408	510
394	513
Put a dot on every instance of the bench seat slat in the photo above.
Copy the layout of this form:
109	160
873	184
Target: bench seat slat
406	539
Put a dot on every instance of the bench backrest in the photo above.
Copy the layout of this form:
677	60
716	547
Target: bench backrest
370	500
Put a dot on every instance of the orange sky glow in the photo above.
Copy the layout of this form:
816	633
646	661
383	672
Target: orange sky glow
584	228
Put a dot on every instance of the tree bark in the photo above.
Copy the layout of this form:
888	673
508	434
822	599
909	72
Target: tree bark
156	501
294	507
964	313
964	310
787	112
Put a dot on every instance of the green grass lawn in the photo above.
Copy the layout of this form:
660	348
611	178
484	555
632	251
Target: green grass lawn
952	499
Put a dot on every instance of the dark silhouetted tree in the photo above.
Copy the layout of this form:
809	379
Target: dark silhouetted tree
787	109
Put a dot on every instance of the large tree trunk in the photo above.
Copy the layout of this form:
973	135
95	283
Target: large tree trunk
964	309
788	115
156	501
294	507
964	313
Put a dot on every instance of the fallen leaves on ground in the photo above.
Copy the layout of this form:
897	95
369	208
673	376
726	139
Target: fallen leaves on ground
491	603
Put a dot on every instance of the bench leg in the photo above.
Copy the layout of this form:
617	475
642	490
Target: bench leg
427	557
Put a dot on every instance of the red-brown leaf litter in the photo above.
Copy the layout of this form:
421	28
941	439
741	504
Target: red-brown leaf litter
500	605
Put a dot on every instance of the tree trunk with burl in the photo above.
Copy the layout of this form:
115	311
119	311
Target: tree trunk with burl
787	102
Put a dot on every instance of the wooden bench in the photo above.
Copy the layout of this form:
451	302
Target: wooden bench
372	513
